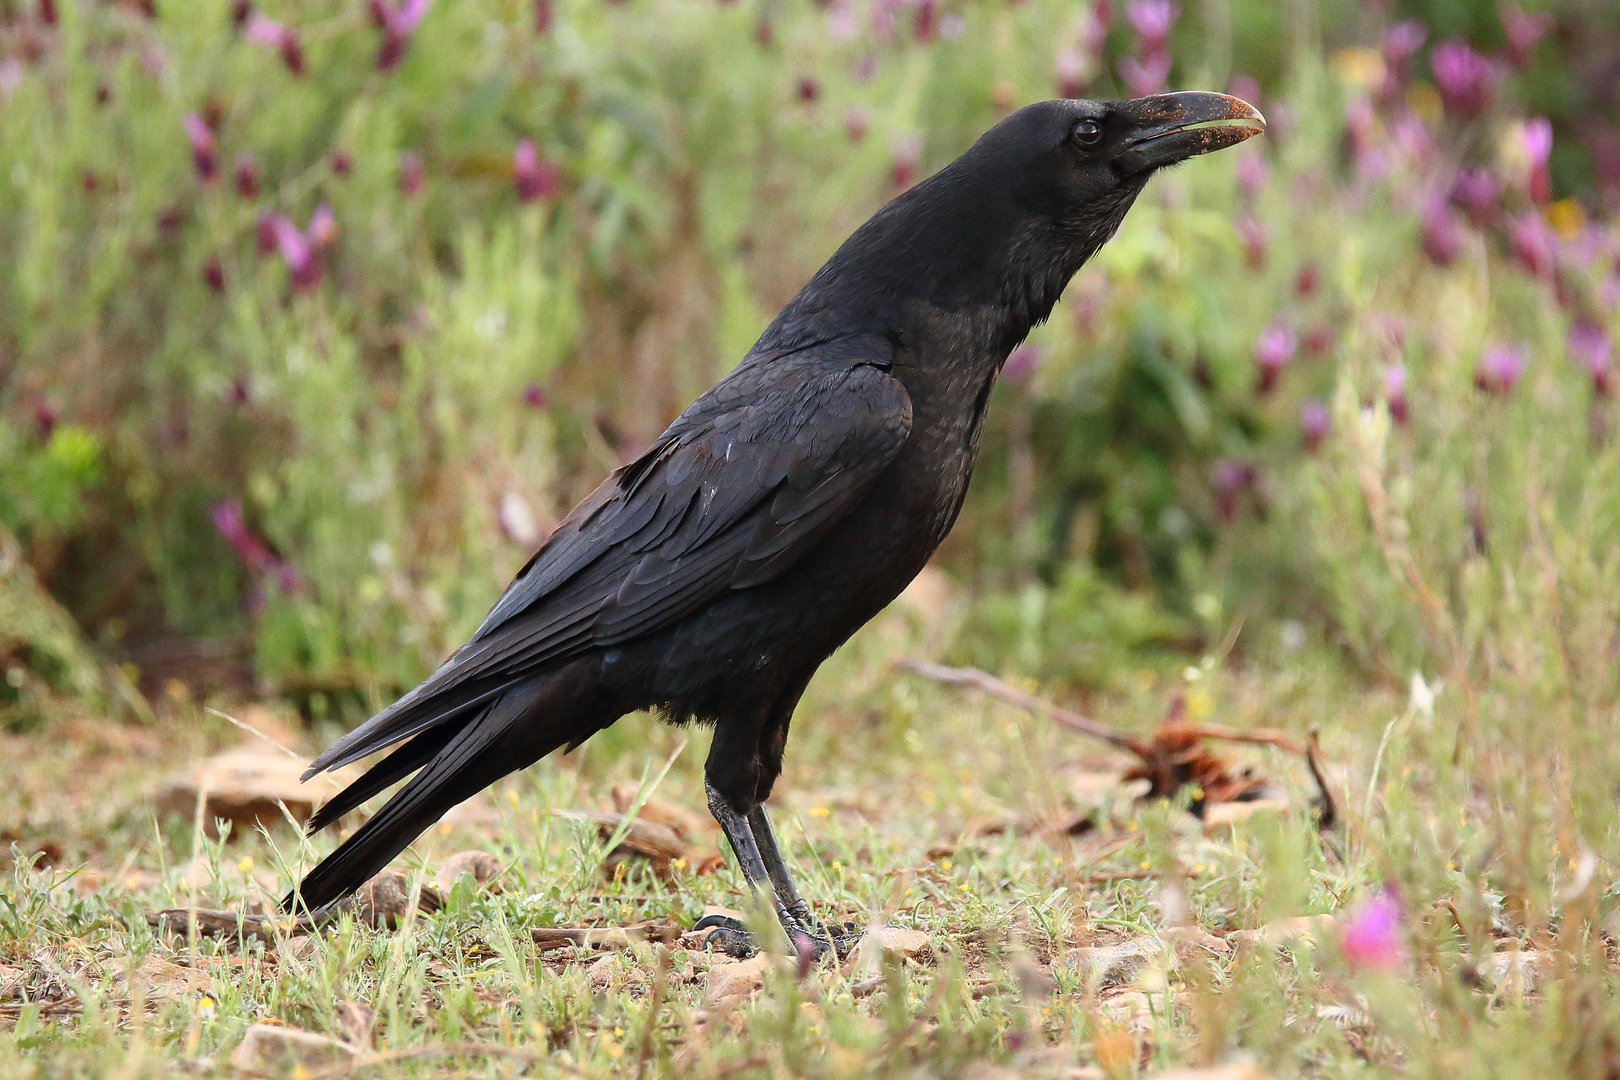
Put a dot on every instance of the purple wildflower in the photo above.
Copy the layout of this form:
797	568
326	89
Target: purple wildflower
1253	236
204	154
1372	936
1536	139
1069	72
542	16
1021	362
1535	243
534	396
535	179
809	89
247	176
1318	340
1146	76
411	173
1314	425
925	21
1402	41
231	524
1475	191
1523	30
44	419
47	12
1443	235
1590	347
1230	478
341	163
1395	393
264	232
1152	20
322	231
1307	279
397	23
214	273
1500	368
1466	79
855	123
905	157
266	31
1251	174
805	954
300	255
1276	346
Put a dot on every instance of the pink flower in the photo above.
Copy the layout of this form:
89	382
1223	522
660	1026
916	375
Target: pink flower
1395	392
411	173
534	396
264	232
265	31
301	251
1536	139
1146	76
255	554
214	273
924	21
1152	20
855	123
1022	361
397	25
1314	425
322	231
906	156
203	153
1372	937
1276	346
542	16
1230	478
534	179
1475	191
1412	138
1466	79
1069	70
1590	347
1535	243
247	176
1443	235
1523	29
1253	236
1402	41
1251	173
809	89
1500	368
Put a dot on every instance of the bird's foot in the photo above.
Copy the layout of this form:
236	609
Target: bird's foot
838	940
735	939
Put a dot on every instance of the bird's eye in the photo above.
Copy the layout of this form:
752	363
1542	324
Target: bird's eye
1086	133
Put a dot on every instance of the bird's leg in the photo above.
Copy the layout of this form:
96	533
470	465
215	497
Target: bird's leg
787	894
740	834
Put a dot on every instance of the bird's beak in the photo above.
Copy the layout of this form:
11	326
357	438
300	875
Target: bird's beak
1174	127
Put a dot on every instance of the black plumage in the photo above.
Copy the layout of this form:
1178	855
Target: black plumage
789	504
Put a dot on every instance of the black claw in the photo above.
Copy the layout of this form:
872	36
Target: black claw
723	921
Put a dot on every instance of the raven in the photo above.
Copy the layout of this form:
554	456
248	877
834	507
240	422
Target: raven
710	577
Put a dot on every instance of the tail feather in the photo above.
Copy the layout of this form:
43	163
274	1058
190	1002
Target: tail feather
390	770
421	709
505	737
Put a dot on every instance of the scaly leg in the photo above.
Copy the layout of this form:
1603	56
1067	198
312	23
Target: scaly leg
733	937
787	894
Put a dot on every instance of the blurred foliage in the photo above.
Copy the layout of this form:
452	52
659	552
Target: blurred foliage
401	401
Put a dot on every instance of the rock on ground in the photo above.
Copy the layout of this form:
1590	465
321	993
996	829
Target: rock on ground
734	979
1111	965
271	1049
246	786
483	867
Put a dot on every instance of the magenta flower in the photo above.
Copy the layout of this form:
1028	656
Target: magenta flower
1475	190
1535	243
1314	425
1443	235
1152	20
1467	80
264	232
1536	139
301	251
247	176
1402	41
322	231
534	396
1372	935
1253	236
1411	137
1318	340
904	159
255	554
1308	278
1021	362
1069	72
925	21
411	173
1500	368
1146	76
341	163
542	16
204	154
265	31
397	23
214	273
1590	347
44	419
1523	30
855	123
1276	346
534	179
809	89
1230	478
1251	174
1395	393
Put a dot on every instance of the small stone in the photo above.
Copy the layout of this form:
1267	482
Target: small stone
357	1020
247	786
384	900
1243	1071
301	947
1111	965
483	867
1223	817
1132	1009
271	1049
901	941
1193	941
734	979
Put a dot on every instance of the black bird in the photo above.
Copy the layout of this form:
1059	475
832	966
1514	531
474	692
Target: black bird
709	578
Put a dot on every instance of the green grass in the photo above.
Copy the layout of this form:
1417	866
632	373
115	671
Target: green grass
906	804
